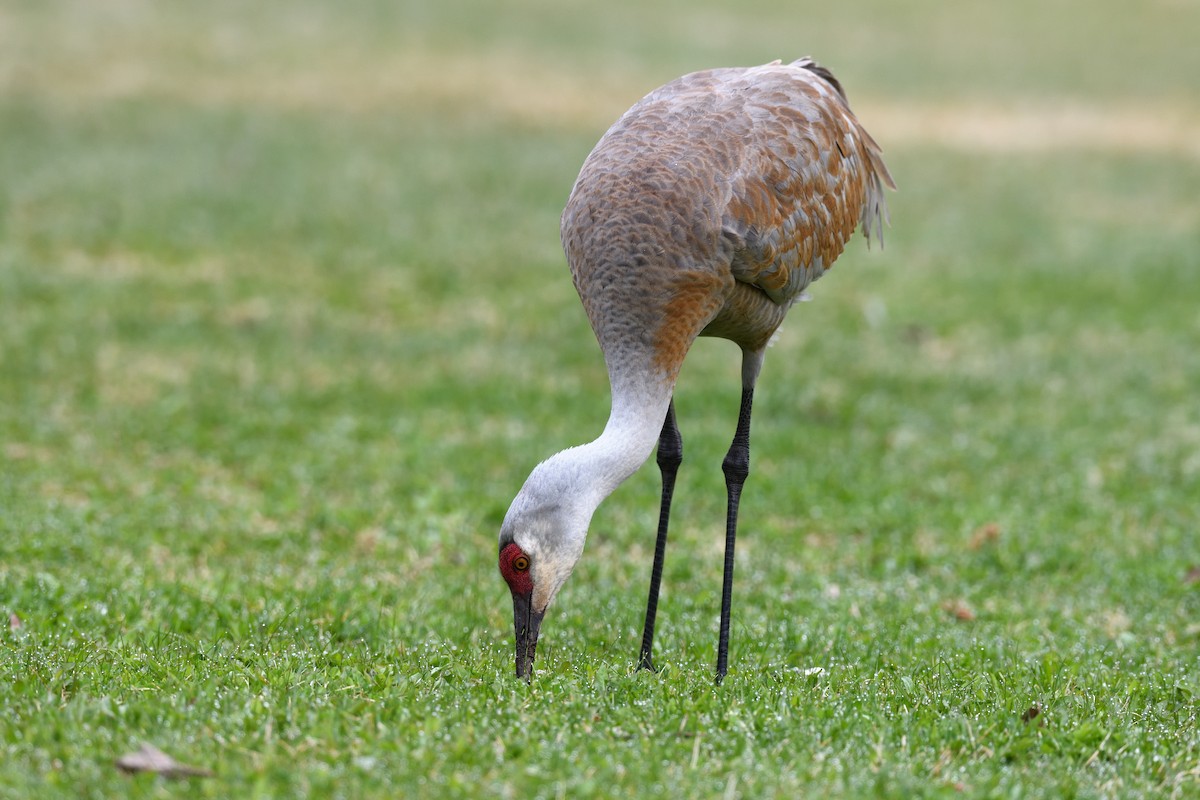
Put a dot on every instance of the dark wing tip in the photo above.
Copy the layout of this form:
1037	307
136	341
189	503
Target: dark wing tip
815	68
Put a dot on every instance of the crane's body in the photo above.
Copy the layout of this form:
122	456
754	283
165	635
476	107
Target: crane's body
705	210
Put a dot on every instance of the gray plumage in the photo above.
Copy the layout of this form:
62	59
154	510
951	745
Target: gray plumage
705	210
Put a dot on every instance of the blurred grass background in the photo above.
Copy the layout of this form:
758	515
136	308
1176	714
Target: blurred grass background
284	322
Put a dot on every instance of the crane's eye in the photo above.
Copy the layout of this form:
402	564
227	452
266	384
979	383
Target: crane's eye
514	568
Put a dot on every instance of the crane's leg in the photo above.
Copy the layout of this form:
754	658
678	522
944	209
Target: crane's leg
736	467
670	456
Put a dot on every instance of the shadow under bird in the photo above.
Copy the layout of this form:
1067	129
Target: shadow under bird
705	210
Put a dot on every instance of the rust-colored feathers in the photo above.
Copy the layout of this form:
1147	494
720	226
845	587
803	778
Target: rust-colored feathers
712	203
705	210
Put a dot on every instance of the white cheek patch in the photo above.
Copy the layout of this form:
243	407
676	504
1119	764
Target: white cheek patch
548	577
541	597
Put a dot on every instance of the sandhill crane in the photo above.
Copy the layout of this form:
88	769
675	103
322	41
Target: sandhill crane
705	210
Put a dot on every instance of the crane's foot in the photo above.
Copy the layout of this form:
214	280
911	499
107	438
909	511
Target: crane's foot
644	663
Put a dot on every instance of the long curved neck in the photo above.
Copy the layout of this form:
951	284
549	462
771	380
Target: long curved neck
628	439
581	477
549	517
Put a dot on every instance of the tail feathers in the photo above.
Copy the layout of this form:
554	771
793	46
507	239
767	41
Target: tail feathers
875	210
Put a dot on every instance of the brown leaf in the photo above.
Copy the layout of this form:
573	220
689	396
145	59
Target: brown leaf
150	759
984	535
1032	713
14	622
959	610
1192	576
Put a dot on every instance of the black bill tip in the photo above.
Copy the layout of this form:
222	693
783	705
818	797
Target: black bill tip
526	624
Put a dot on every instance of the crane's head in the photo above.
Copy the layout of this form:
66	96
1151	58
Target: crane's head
541	541
516	567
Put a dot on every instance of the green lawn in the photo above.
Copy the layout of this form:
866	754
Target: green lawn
284	323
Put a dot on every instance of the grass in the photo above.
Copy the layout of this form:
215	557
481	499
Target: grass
284	323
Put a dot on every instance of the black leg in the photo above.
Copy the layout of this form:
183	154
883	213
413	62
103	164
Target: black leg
736	467
670	456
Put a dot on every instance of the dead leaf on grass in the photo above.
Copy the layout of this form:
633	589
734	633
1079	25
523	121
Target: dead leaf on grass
1192	576
149	758
959	610
1033	712
984	535
14	622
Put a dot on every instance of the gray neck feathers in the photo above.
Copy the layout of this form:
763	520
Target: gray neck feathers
561	494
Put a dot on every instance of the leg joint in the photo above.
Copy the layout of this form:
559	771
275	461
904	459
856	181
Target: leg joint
736	465
670	443
670	450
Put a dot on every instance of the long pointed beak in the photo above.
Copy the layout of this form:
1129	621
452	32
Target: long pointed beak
526	623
